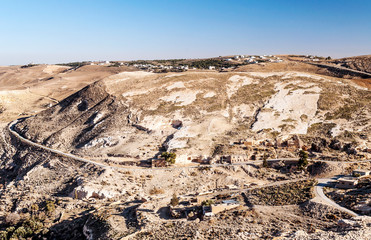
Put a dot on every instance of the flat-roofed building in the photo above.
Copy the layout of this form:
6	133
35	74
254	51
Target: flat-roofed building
347	182
361	173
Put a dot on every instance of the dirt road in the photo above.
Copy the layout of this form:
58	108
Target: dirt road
318	188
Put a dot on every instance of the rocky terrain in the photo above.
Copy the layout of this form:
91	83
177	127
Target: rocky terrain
136	115
122	119
356	199
25	90
360	63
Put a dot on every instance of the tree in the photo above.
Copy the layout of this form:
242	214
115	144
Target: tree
207	202
50	207
174	200
303	159
169	157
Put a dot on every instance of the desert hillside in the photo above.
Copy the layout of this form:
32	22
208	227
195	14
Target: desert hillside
136	115
360	63
220	124
25	90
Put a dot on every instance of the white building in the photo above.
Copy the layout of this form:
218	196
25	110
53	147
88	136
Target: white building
347	182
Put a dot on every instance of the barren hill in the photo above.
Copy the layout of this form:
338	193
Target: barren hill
25	90
360	63
134	115
115	117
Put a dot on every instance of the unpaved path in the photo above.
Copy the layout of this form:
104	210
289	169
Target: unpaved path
320	196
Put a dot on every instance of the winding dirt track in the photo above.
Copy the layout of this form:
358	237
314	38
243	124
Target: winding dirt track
81	159
318	190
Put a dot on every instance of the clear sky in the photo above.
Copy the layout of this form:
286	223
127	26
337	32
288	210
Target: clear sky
55	31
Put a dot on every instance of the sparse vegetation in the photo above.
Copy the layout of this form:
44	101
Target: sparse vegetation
217	126
290	193
74	64
156	191
50	207
169	157
174	200
344	112
28	227
29	65
303	160
205	64
207	202
321	129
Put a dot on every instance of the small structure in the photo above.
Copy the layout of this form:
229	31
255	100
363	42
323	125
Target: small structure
249	142
231	187
225	205
207	212
158	163
211	67
205	160
237	158
347	182
210	211
202	198
361	173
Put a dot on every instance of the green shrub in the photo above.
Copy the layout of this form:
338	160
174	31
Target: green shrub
50	207
20	232
303	160
169	157
33	225
207	202
3	235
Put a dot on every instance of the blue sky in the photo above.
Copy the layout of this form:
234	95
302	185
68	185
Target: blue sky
53	31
